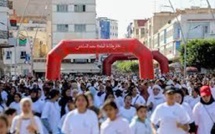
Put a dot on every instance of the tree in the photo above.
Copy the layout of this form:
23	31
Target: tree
200	53
127	66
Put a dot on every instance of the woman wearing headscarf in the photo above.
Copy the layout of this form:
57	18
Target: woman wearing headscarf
204	112
16	103
66	94
26	122
155	98
38	104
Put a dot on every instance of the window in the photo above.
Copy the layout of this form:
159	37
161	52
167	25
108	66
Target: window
80	8
164	36
142	32
10	4
80	60
22	54
62	28
62	8
137	32
8	55
80	28
206	29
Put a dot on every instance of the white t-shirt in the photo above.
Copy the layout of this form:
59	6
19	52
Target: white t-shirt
127	113
62	121
202	118
100	99
118	126
1	109
213	92
187	99
194	101
4	95
24	124
38	106
168	116
188	109
51	112
81	123
16	106
119	101
138	100
138	127
155	100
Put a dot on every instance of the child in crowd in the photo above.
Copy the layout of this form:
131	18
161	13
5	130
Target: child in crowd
114	124
140	124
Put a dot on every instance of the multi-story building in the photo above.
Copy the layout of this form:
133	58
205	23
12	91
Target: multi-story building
196	24
4	32
107	28
74	19
140	30
33	42
154	23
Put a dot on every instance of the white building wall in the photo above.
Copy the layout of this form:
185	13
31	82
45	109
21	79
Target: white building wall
193	26
71	18
113	29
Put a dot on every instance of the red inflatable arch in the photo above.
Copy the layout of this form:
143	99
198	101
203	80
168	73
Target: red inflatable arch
160	58
67	47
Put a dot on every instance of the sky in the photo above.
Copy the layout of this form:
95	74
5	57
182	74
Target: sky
125	11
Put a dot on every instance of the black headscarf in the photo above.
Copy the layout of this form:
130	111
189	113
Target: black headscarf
207	103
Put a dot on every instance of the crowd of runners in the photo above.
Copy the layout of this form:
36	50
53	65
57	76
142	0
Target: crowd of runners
108	105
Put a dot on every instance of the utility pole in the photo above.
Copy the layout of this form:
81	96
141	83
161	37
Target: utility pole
17	36
183	38
211	10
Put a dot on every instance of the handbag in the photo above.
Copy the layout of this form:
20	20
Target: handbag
213	127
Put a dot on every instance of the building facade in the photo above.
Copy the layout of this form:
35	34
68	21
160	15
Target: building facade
75	19
33	42
4	32
154	23
195	23
140	30
107	28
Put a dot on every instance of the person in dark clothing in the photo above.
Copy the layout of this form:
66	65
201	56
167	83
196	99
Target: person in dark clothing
66	93
10	97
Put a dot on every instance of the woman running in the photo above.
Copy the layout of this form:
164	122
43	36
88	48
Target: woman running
81	120
171	117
